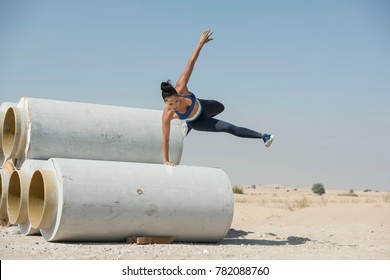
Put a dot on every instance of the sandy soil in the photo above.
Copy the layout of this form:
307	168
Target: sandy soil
270	222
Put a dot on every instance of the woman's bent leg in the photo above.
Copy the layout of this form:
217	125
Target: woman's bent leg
211	107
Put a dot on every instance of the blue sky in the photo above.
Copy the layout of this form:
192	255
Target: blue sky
314	73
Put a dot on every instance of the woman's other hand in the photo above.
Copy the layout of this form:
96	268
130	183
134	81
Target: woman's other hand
206	37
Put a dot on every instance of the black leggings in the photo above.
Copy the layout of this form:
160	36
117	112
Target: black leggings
206	122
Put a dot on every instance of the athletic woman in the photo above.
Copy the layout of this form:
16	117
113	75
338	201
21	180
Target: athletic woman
199	114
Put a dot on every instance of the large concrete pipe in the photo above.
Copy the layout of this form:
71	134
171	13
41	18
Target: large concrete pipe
83	200
18	195
5	174
3	109
41	129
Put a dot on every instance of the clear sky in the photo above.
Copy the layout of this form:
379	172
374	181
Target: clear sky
314	73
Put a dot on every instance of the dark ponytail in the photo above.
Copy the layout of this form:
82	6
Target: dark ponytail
167	89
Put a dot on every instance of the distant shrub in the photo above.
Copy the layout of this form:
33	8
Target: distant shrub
298	203
351	192
302	203
237	189
318	189
367	190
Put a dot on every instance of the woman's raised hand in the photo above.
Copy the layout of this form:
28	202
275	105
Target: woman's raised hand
169	163
206	36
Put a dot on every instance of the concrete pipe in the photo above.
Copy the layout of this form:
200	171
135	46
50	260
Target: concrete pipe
3	109
5	175
82	200
41	129
18	194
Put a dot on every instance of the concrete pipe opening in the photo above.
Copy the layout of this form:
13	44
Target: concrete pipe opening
5	173
3	201
10	133
41	203
14	198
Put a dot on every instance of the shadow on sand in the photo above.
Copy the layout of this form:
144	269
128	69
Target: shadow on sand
233	237
237	237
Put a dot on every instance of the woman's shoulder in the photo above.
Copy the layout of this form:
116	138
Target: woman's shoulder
187	95
182	90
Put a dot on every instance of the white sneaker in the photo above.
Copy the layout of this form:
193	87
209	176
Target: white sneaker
268	138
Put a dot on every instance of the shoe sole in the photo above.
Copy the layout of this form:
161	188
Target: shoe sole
269	142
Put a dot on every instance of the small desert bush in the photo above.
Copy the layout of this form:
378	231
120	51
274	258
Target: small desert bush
351	192
318	189
298	203
237	189
302	203
367	190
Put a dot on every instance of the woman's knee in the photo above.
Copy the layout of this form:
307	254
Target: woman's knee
212	107
220	107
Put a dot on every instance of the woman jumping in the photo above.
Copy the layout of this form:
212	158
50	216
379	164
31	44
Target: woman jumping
199	114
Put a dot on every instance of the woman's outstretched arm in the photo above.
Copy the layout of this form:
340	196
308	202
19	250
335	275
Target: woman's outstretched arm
166	128
181	85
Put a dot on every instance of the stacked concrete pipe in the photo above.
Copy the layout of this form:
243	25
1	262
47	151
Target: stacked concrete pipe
18	190
41	129
95	173
83	200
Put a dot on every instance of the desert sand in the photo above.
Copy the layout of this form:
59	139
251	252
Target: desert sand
270	223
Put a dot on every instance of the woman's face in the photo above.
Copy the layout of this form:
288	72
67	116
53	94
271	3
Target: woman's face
173	102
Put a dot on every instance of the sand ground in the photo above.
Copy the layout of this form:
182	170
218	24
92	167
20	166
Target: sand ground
270	222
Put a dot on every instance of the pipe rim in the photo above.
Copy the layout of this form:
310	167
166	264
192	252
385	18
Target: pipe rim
41	203
5	173
36	197
8	166
3	201
10	136
14	197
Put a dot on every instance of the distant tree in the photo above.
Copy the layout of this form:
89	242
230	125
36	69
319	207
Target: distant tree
237	189
318	189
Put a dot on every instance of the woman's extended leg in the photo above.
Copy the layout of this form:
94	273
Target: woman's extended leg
206	123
